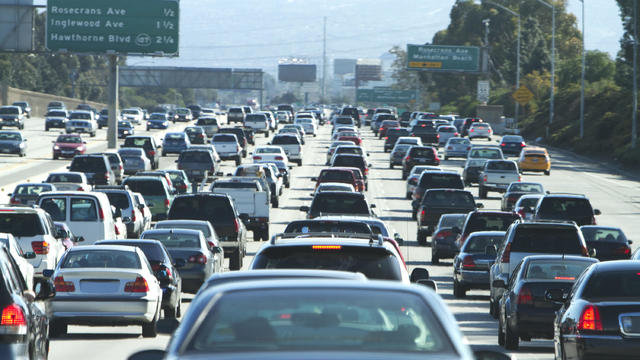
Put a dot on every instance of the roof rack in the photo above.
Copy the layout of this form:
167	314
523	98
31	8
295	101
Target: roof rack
554	221
372	238
566	193
111	187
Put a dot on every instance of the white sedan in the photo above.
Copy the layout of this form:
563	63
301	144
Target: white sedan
108	285
269	153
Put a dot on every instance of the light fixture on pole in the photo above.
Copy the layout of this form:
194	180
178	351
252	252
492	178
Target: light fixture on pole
553	56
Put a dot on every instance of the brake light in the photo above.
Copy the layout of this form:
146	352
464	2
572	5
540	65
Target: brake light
40	247
101	214
506	255
381	128
490	131
326	247
590	319
366	171
521	212
63	286
522	144
116	229
386	138
13	321
468	263
14	201
484	179
257	157
279	158
450	148
503	144
422	214
471	130
152	153
623	250
443	234
236	226
167	203
138	286
525	297
133	216
456	134
438	136
519	178
121	168
106	176
199	259
407	158
80	188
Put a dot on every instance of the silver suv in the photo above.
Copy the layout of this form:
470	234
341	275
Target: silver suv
122	198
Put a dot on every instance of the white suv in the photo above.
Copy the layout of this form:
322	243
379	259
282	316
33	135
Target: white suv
33	228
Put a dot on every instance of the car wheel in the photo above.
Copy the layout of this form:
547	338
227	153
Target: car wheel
493	311
265	234
446	157
500	334
57	329
275	203
404	175
422	237
266	134
46	128
435	260
99	127
244	153
238	160
390	166
414	215
235	262
547	172
256	235
164	154
170	313
458	291
150	330
408	196
482	192
55	157
511	341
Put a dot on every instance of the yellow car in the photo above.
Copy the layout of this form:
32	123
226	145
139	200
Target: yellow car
535	159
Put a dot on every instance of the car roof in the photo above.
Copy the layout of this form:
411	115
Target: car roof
184	222
265	274
600	227
487	233
170	230
560	257
124	242
103	247
617	265
568	196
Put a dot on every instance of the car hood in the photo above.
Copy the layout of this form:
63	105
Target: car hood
316	355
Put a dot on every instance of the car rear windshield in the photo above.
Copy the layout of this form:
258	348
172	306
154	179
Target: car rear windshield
101	259
478	244
88	164
440	181
613	285
502	166
207	121
214	208
451	220
374	263
349	161
336	175
20	225
256	117
449	199
339	204
146	187
225	138
205	229
421	152
603	234
175	239
327	226
119	200
535	156
31	189
235	110
458	141
547	240
234	185
555	269
200	157
397	132
138	142
174	137
526	187
64	178
285	140
349	150
555	207
490	222
485	154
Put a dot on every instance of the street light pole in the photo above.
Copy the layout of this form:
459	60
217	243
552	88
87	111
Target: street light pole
582	78
553	59
634	135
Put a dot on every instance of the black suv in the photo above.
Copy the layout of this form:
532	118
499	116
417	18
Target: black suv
96	167
220	211
353	112
338	202
392	136
434	180
148	143
441	201
573	207
419	155
197	164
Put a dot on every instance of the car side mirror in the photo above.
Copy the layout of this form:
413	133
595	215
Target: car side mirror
229	174
490	250
419	274
79	239
592	252
48	273
44	290
304	208
180	263
29	255
373	206
368	154
629	241
176	161
398	239
597	212
25	139
314	179
480	205
244	217
555	295
499	283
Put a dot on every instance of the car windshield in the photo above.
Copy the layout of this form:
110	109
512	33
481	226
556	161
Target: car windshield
555	269
158	117
526	187
319	320
56	114
613	285
374	263
9	110
83	116
101	259
349	161
449	199
485	154
339	204
401	148
9	136
202	208
336	175
20	225
603	234
119	200
490	222
173	240
174	137
234	185
130	112
138	142
528	202
268	150
511	138
476	163
548	240
421	152
69	139
476	244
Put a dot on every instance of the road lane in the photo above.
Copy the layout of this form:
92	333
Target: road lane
613	194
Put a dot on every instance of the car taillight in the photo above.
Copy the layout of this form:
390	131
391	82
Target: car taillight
14	201
101	214
138	286
121	167
366	171
468	263
386	138
80	188
468	148
179	166
413	181
471	130
590	319
133	216
40	247
407	158
279	158
490	131
167	203
522	144
443	234
484	179
422	214
503	144
115	227
506	255
257	157
199	259
623	250
519	179
151	153
13	321
236	225
450	148
381	128
63	286
521	212
525	297
438	136
456	134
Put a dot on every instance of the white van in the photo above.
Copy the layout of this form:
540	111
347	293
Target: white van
88	214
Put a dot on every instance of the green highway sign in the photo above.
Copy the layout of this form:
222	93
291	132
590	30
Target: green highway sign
386	95
113	26
443	58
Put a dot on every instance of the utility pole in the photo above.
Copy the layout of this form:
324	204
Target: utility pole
553	60
634	135
324	57
112	129
582	78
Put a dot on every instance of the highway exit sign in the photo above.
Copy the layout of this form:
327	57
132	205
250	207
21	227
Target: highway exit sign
113	26
442	58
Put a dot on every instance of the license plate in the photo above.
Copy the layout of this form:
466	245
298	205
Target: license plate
67	152
630	324
534	160
5	150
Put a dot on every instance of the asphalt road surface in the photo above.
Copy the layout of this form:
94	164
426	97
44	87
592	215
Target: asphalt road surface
616	196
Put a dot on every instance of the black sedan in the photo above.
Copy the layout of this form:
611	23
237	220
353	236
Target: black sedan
610	243
163	269
524	311
512	144
516	190
24	325
600	319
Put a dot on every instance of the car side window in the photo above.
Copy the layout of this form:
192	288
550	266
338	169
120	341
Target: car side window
83	209
15	245
56	208
12	272
145	261
514	276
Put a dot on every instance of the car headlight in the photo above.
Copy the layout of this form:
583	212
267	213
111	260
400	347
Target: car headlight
21	145
125	132
56	147
148	122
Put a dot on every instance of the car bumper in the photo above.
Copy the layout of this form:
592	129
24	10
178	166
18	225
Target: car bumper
474	279
56	124
78	130
496	187
534	166
173	150
11	122
228	156
158	126
536	322
15	350
454	153
445	249
103	310
192	279
595	347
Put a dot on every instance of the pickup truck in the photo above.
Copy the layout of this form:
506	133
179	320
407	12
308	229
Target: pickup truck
291	145
251	202
258	122
428	134
235	114
227	147
496	176
437	202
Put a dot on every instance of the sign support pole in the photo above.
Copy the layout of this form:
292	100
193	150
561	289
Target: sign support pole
112	130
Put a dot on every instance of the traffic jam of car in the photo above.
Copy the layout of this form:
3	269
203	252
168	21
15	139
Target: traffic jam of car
181	232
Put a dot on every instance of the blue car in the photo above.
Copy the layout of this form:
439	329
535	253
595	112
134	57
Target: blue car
175	143
12	142
158	121
125	128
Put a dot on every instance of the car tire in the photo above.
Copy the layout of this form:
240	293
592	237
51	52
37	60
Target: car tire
57	329
266	134
55	157
150	330
408	196
458	291
493	311
547	172
46	128
446	157
299	163
390	166
235	261
414	215
256	235
170	313
179	307
404	176
422	237
435	260
238	160
264	234
244	153
287	185
500	334
275	203
482	192
99	127
511	340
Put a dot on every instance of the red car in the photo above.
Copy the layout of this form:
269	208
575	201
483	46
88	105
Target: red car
339	175
68	146
354	139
